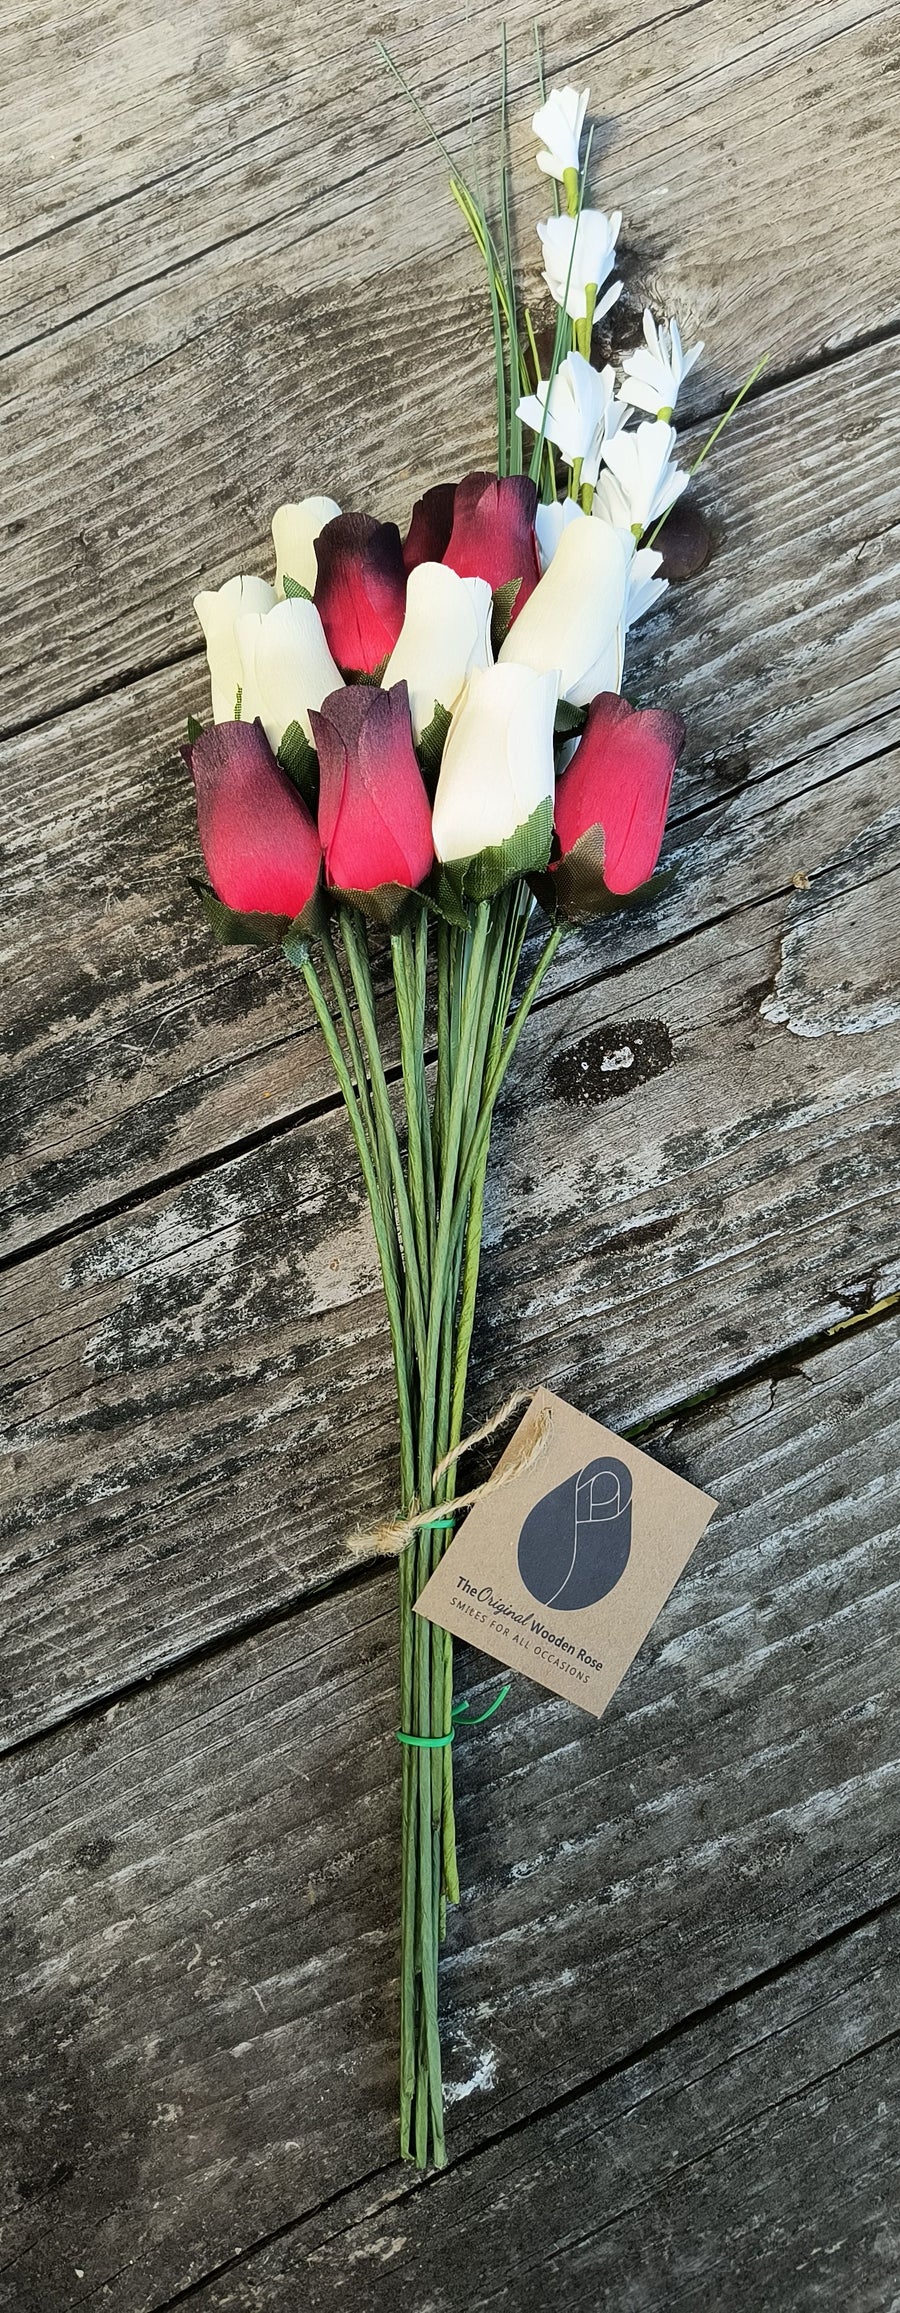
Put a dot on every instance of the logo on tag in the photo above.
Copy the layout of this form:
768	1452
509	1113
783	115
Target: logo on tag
576	1542
561	1568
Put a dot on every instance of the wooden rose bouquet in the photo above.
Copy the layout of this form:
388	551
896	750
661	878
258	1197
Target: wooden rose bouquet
419	745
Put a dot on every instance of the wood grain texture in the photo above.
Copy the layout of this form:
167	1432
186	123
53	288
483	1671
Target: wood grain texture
231	272
697	1186
233	234
200	1959
747	2163
137	1047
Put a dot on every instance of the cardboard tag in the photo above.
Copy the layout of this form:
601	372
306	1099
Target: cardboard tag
561	1572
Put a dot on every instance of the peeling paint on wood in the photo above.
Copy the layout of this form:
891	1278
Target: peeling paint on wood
175	1380
202	1940
206	222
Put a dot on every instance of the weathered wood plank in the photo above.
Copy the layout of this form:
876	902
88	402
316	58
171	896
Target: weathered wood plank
200	320
199	1989
136	1046
702	1182
196	140
749	2163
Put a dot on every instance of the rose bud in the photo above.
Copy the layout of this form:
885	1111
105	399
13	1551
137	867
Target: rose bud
430	525
495	790
257	837
374	814
493	534
360	589
217	610
574	617
445	634
295	529
611	804
286	665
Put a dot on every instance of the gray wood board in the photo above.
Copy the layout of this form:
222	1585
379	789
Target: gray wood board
235	272
201	1945
137	1047
749	2162
710	1173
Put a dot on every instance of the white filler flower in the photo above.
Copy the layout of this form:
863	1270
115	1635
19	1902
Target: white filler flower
558	123
497	765
217	611
579	406
572	621
550	522
295	530
286	667
639	481
581	251
446	634
654	375
644	588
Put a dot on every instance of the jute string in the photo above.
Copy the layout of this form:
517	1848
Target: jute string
390	1538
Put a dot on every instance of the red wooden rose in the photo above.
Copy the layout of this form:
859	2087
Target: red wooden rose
258	838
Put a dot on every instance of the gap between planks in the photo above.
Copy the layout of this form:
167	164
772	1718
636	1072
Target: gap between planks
771	381
694	2020
310	1111
355	1576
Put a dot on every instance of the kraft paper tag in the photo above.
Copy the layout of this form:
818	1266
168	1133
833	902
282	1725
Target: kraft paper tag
562	1571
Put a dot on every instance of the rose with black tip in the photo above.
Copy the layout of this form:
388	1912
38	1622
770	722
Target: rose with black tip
374	814
611	805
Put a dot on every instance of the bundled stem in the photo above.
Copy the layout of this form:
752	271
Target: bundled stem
426	1191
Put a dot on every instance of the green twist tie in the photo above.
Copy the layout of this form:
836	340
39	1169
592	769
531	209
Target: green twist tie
460	1713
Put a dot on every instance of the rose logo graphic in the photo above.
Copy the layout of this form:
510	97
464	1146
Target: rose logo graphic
576	1542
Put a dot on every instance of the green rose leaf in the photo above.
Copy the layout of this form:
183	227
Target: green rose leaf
445	901
298	758
569	720
526	852
235	930
504	605
431	745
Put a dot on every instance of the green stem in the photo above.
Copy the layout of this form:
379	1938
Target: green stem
357	1063
469	1018
412	1072
419	951
409	1856
434	1220
481	1135
358	959
375	1196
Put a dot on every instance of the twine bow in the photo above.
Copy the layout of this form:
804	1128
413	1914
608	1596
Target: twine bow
388	1539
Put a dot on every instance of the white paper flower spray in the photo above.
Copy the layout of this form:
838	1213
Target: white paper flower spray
579	255
644	588
639	481
559	123
581	413
550	521
654	374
